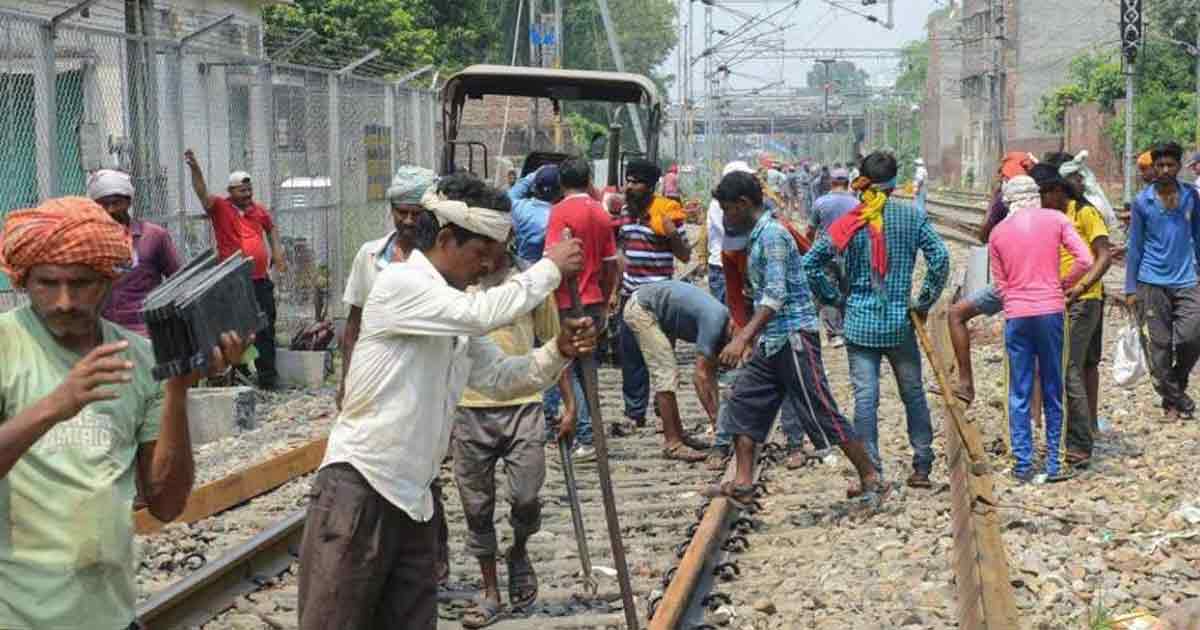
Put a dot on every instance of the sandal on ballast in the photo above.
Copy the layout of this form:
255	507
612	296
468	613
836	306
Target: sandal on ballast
739	494
483	613
684	453
522	581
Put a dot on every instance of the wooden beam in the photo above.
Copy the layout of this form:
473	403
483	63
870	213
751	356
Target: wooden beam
241	486
985	595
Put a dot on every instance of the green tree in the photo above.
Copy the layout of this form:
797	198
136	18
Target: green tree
408	33
844	75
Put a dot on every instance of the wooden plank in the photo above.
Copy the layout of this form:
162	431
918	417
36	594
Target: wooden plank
985	596
241	486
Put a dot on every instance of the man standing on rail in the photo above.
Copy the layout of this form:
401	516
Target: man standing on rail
879	240
1026	268
83	425
650	238
588	221
368	553
154	256
782	344
1163	249
985	301
239	224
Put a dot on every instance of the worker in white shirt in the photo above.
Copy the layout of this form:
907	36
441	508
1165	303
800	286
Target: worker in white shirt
414	228
369	548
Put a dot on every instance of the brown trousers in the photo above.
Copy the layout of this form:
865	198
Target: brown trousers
364	563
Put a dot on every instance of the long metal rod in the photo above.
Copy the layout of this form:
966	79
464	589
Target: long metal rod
591	388
585	558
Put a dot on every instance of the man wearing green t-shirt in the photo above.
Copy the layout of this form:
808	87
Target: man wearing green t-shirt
82	424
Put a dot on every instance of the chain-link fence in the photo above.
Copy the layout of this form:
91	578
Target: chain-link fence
320	144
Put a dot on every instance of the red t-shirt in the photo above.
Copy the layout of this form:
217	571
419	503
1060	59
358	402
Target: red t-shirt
588	222
241	232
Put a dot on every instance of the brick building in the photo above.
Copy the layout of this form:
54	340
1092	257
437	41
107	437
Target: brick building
483	121
942	130
1012	52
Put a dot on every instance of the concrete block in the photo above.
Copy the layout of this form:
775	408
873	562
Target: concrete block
218	412
301	368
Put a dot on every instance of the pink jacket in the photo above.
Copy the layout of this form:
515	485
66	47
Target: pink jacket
1025	261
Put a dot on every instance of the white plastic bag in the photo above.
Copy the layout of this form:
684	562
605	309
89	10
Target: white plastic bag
1129	360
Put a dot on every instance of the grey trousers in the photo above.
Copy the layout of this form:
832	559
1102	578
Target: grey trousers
1172	319
1085	330
481	438
364	563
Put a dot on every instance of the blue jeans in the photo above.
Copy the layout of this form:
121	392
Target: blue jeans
635	378
716	282
552	398
1035	342
905	360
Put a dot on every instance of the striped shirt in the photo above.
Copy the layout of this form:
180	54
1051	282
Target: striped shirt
648	256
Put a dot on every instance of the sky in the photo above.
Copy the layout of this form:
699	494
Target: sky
812	24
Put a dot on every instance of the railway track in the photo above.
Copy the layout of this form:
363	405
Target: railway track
692	560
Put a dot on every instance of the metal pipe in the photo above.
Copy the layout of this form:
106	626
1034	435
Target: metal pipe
591	389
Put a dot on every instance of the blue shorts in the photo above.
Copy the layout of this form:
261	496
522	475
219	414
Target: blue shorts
987	300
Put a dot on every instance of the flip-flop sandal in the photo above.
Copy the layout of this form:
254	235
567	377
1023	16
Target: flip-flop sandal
854	490
1079	460
1064	474
874	496
522	581
917	480
694	442
684	453
741	495
483	613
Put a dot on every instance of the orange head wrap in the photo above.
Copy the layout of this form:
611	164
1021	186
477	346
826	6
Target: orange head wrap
63	231
1145	160
1015	163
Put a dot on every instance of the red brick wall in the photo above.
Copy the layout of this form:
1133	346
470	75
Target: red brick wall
1085	126
483	121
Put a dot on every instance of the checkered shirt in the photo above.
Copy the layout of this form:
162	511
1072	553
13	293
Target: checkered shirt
777	281
877	316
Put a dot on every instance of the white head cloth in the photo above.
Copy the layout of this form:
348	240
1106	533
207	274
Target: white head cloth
485	221
106	182
409	185
736	166
1021	193
1091	187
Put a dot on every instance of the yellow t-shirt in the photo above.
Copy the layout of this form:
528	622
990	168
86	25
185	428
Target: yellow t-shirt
1090	225
518	339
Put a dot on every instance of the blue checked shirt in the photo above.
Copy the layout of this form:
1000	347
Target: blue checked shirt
877	317
777	281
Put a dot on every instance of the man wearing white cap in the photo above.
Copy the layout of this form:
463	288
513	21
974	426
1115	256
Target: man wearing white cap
154	255
370	546
239	225
716	236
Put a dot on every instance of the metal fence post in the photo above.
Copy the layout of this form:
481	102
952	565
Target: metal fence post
180	139
389	115
418	142
45	82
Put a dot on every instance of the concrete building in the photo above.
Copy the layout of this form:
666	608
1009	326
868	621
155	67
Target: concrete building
942	115
1012	53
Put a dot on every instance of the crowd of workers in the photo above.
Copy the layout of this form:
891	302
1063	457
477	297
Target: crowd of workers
461	340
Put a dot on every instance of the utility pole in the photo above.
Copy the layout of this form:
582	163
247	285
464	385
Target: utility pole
534	49
998	82
1196	52
1131	40
614	47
